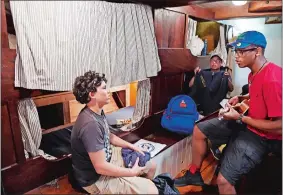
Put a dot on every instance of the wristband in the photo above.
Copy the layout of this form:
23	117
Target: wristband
239	120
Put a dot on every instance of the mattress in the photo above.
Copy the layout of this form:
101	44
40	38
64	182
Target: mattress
58	143
122	113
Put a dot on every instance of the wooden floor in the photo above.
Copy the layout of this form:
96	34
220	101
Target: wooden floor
64	187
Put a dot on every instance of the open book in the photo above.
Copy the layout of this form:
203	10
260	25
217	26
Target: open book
152	147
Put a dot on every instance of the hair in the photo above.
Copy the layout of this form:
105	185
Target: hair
262	49
87	83
217	57
245	89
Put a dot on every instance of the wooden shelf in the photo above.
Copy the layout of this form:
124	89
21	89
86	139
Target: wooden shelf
178	60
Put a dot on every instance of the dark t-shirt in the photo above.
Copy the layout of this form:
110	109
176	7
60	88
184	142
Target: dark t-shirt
210	90
90	134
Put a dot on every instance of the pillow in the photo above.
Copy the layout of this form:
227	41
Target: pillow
196	45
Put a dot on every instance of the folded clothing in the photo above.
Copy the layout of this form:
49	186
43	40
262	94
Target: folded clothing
130	156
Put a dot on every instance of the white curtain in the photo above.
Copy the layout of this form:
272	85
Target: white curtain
192	28
60	40
221	46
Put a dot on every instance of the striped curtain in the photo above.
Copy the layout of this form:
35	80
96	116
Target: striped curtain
60	40
143	100
30	126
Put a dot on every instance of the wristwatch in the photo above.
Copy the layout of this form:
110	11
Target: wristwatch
239	120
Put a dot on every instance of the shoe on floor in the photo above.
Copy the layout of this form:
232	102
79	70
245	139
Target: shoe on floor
189	179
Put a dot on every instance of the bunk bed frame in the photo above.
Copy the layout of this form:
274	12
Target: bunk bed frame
20	175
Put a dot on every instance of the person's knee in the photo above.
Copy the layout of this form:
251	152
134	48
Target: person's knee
153	189
153	166
221	180
197	134
152	169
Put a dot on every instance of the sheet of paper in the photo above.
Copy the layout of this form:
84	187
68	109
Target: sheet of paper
224	102
152	147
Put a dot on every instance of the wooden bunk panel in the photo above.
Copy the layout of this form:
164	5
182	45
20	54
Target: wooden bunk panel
7	149
8	91
33	173
163	88
4	33
169	28
177	60
175	158
265	6
12	152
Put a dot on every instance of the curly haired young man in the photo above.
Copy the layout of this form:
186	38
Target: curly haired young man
96	153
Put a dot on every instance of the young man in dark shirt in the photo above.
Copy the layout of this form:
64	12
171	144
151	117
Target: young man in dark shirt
254	135
96	153
209	87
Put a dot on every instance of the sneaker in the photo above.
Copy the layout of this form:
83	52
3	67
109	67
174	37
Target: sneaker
189	179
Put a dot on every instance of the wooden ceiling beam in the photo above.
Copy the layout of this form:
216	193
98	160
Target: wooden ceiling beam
162	3
231	12
265	6
195	11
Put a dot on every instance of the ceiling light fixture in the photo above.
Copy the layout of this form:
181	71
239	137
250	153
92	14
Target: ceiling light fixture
238	3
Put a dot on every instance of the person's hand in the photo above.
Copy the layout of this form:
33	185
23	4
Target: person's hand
232	114
222	111
234	100
138	149
226	73
197	70
136	169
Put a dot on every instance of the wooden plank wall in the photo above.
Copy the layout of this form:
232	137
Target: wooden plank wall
4	33
169	28
170	33
175	158
12	146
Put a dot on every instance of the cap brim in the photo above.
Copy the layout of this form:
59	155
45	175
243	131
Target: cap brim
238	45
216	55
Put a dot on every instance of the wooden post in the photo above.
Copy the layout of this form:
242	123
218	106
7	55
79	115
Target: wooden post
4	33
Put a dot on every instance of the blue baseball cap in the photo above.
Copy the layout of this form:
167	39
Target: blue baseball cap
249	38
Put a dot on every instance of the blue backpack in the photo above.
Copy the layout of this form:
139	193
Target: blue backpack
180	115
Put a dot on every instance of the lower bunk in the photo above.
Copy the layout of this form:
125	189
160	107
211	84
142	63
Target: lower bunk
19	178
172	159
